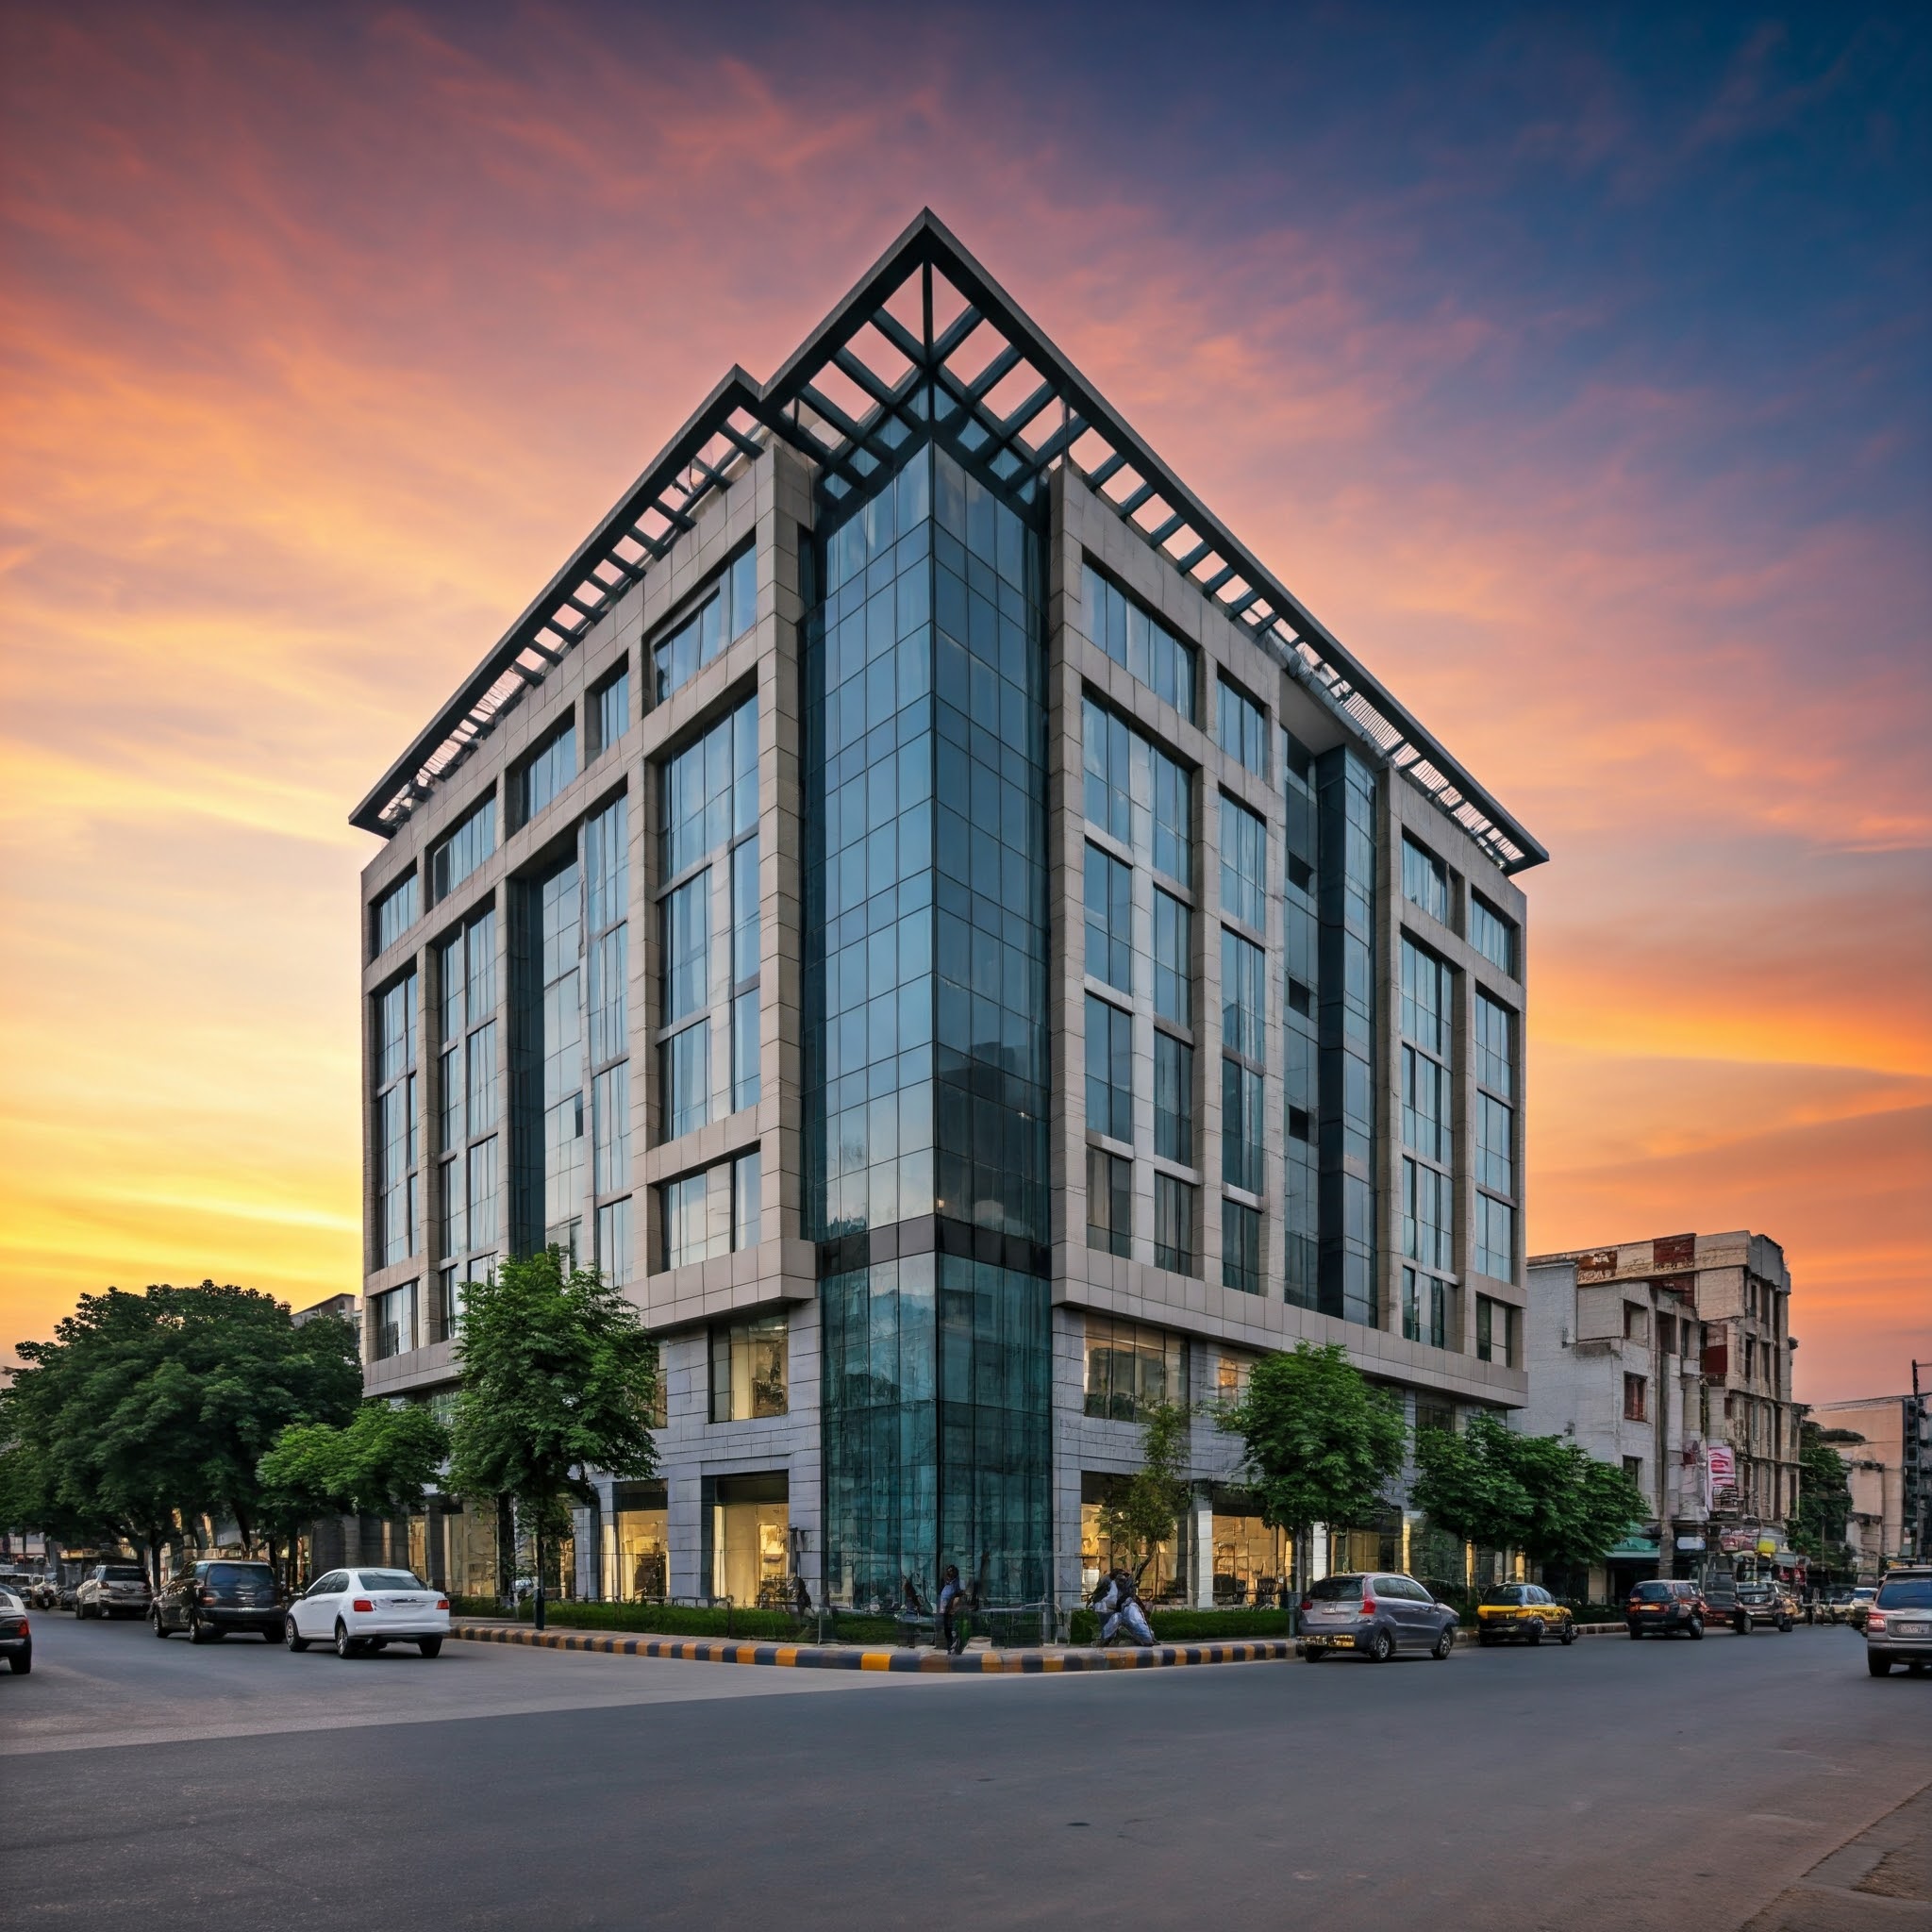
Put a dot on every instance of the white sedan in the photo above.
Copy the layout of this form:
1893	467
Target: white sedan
363	1610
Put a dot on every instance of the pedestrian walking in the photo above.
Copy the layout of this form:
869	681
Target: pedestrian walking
951	1605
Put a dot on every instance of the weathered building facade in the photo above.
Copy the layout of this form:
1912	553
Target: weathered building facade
922	908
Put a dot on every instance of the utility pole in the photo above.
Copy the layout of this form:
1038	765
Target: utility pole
1917	1512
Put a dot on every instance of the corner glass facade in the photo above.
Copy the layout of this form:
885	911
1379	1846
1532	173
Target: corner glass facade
926	1037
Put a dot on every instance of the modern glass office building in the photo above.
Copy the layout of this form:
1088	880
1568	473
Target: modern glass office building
923	908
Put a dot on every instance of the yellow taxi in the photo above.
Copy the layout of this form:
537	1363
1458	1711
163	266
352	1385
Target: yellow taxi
1522	1613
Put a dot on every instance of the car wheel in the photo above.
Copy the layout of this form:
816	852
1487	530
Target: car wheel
1569	1636
1784	1629
1636	1631
1877	1663
1742	1626
1483	1640
1381	1647
160	1628
199	1632
1696	1629
431	1646
1533	1631
345	1644
21	1663
1445	1642
293	1636
1313	1657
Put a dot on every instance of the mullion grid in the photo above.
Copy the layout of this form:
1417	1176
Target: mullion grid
1425	1024
469	1109
1502	1101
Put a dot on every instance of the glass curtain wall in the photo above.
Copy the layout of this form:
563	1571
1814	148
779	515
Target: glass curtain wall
468	1114
1428	1195
925	1038
396	1149
1301	945
607	955
547	1062
1345	791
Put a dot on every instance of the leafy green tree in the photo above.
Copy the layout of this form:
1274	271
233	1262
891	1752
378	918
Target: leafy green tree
1143	1511
379	1465
559	1378
1819	1528
146	1410
1540	1494
1322	1440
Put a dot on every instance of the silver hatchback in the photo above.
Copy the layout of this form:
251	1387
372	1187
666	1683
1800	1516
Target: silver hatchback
1374	1616
1898	1627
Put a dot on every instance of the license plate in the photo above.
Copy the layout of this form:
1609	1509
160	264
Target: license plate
1909	1629
403	1602
1332	1642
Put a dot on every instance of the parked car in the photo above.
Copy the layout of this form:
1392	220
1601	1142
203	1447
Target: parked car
1666	1607
1523	1613
218	1594
1761	1603
1376	1616
1898	1625
16	1633
364	1610
112	1589
1860	1605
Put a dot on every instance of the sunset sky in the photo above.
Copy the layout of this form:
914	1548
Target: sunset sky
1573	370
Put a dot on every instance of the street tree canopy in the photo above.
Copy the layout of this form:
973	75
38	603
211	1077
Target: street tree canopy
558	1377
379	1465
1143	1511
147	1409
1540	1494
1321	1440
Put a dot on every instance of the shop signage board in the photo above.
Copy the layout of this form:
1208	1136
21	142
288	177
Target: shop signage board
1690	1542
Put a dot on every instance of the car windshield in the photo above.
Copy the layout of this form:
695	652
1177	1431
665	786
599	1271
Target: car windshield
1331	1588
121	1573
387	1579
226	1575
1653	1590
1506	1593
1906	1593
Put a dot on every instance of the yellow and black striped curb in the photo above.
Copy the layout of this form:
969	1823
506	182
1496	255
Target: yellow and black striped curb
810	1656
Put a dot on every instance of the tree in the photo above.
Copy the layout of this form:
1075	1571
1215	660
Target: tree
1820	1530
379	1465
559	1378
1143	1511
1540	1494
1321	1440
146	1410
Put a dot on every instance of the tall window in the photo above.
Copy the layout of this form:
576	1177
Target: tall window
1495	1139
1174	1099
1243	1045
709	794
1425	1308
1241	1247
1243	865
469	1110
610	711
726	611
1109	919
455	858
392	1322
395	913
1109	1071
1131	636
1492	934
1110	1202
1133	1369
1243	728
1174	968
710	1213
1427	1190
745	948
542	773
558	909
1174	1243
1495	1331
749	1364
607	955
1424	880
395	1131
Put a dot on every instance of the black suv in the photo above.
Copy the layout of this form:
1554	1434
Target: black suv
222	1593
1663	1606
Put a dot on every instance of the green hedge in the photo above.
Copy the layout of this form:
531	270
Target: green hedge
691	1620
1193	1626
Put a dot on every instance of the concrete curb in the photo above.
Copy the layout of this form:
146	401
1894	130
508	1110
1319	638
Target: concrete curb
808	1657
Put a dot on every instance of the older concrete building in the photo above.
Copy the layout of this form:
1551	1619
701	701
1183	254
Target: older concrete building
922	908
1881	1470
1675	1354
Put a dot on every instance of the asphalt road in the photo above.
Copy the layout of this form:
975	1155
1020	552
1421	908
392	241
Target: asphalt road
1610	1784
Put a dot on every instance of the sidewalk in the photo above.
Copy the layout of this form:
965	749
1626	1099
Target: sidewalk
1881	1878
810	1656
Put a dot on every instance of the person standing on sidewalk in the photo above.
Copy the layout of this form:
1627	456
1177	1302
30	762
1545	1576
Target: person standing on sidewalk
952	1602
